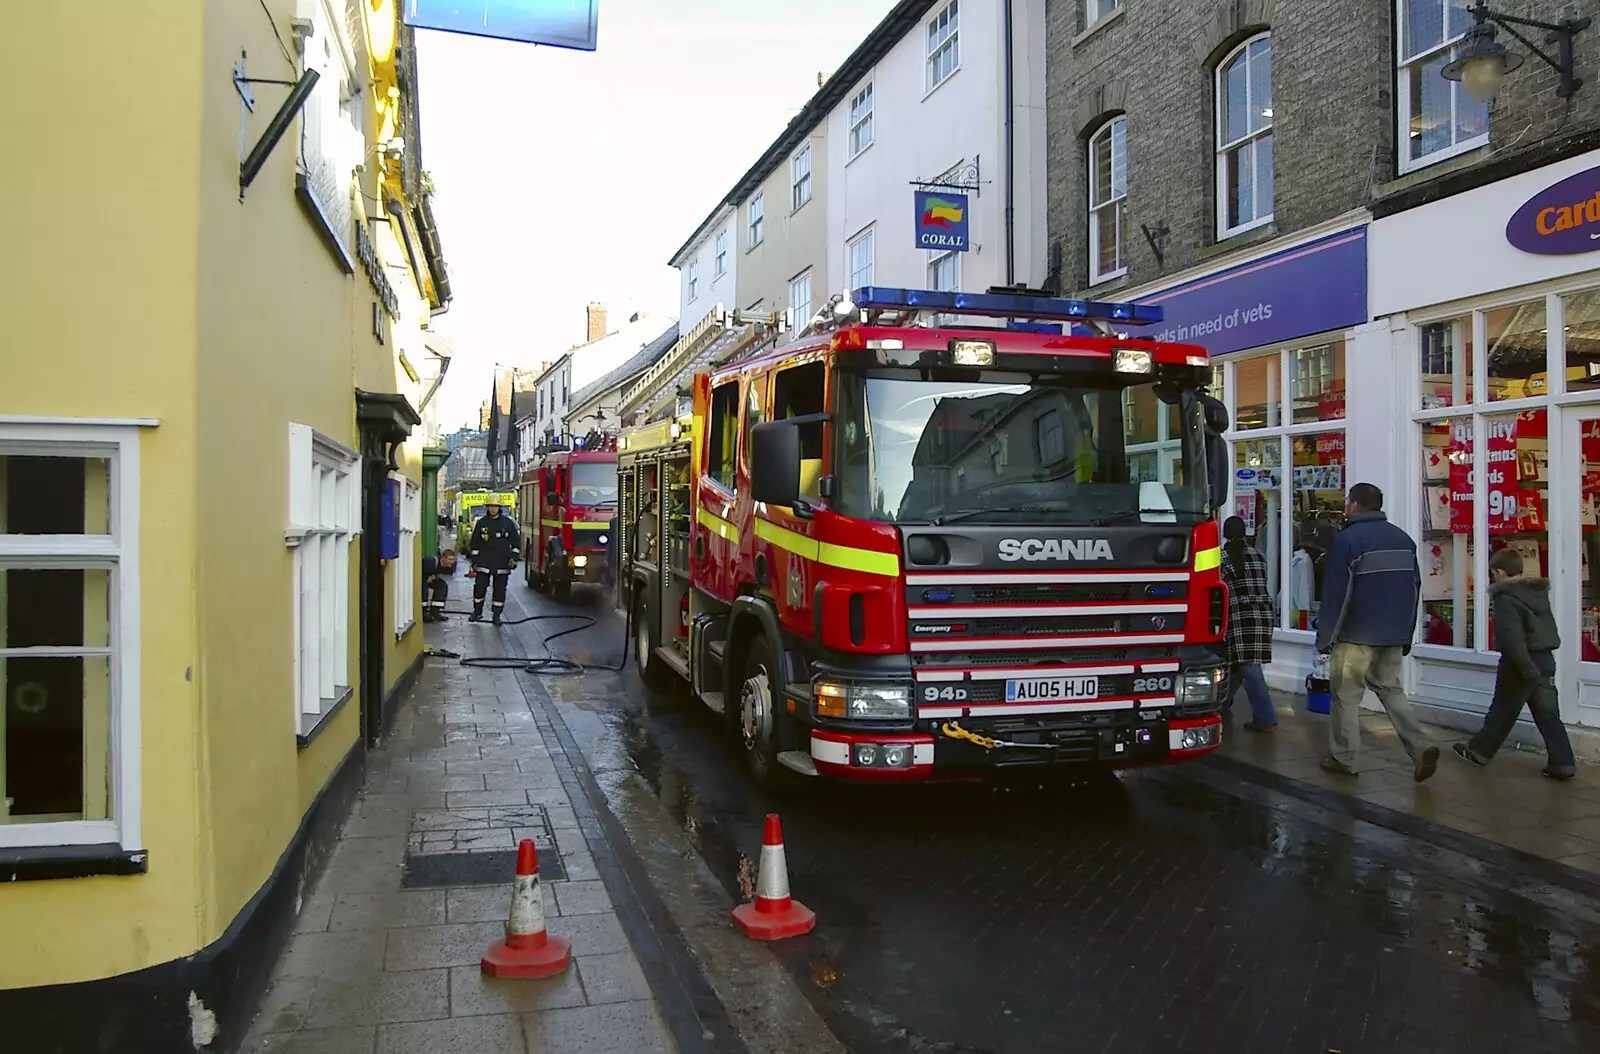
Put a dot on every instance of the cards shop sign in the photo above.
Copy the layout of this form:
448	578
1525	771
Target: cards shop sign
1560	220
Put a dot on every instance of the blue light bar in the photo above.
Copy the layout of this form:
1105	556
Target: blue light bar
1005	305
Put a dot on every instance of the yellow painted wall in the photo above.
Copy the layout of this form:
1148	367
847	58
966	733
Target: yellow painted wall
275	346
98	205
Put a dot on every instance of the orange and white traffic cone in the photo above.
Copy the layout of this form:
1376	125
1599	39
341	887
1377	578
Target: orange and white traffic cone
527	950
774	915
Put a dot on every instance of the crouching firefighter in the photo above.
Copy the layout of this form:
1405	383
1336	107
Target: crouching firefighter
495	547
436	574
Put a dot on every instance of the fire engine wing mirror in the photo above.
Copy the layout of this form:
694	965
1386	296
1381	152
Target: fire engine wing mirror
775	462
1217	461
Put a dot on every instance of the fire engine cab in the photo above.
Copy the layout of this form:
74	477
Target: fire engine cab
939	535
569	500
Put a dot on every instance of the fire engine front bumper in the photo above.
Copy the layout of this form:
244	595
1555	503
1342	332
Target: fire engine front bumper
941	750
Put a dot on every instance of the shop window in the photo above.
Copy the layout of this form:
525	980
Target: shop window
1586	477
1258	500
1318	376
1445	550
1108	200
69	602
1318	492
1516	360
722	436
1258	388
1446	359
1581	315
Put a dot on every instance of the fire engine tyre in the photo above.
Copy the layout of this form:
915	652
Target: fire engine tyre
562	591
652	670
757	715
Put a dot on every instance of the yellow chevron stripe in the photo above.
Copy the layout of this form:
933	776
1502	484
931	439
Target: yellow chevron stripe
718	526
841	556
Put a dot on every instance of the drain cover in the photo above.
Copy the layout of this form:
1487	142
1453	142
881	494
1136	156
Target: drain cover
430	870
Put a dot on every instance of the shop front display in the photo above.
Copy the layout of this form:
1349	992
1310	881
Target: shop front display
1497	347
1279	327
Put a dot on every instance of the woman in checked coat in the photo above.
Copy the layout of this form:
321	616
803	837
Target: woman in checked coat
1250	621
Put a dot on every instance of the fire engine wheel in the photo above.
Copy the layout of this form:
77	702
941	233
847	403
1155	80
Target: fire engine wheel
757	716
561	590
651	669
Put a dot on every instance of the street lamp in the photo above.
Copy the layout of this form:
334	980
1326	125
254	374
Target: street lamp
1481	62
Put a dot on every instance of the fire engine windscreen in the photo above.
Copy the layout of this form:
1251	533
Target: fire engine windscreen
594	483
1081	449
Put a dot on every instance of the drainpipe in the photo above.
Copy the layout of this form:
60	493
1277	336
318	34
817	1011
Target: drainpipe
1011	156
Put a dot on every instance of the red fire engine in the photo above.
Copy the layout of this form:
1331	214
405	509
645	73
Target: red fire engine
568	500
912	544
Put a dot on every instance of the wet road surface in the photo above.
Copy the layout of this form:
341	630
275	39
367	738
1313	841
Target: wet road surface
1173	910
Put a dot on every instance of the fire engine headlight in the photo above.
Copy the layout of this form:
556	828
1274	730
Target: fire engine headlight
972	352
1131	360
580	561
862	701
1192	738
1199	687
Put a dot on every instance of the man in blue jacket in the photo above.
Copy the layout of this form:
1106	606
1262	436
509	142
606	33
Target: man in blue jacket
1371	588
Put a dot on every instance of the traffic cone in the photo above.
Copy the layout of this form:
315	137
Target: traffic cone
774	915
527	950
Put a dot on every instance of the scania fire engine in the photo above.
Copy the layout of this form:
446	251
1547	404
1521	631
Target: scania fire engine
939	535
569	499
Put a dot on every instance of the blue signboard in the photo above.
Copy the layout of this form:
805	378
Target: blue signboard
941	222
555	23
389	532
1309	289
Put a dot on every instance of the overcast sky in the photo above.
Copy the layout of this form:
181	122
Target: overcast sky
564	177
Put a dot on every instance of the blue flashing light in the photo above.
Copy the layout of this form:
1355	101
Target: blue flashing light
577	442
1048	329
1005	305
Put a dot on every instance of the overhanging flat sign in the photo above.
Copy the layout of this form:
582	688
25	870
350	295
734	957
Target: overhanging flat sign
554	23
941	223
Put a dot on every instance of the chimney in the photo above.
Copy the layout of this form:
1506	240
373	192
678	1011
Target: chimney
597	322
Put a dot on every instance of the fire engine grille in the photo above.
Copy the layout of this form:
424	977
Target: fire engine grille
1073	594
1017	658
1046	627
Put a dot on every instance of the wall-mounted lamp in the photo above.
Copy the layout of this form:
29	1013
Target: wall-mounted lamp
1481	62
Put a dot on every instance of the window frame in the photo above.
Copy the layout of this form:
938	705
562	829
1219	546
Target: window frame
409	561
938	257
714	435
864	237
948	21
1403	101
799	181
801	319
1557	400
691	272
118	552
317	516
1283	433
1250	139
755	217
719	249
1095	11
862	113
1118	202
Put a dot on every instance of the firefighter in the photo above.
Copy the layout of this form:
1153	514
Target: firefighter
494	550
